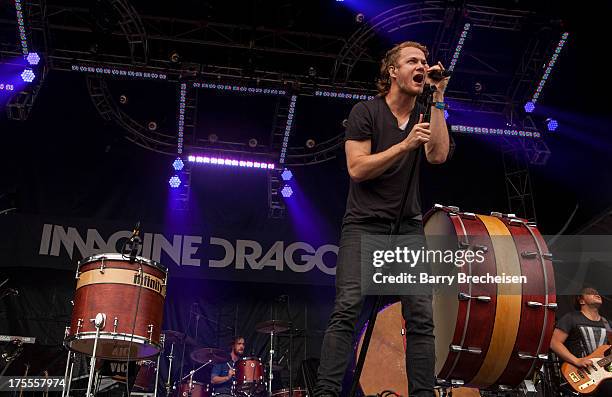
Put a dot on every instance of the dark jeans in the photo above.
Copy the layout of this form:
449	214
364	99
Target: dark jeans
338	341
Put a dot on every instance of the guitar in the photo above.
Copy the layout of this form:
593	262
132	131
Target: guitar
587	380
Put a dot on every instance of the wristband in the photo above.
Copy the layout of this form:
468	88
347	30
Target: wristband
439	105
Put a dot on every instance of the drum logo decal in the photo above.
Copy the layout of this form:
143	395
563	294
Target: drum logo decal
148	282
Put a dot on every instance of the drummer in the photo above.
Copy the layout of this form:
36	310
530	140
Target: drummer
222	374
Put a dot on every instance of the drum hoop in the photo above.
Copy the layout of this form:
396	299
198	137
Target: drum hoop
287	390
252	358
195	382
115	336
115	256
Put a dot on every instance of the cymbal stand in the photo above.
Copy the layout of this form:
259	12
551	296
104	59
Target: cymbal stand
191	373
270	374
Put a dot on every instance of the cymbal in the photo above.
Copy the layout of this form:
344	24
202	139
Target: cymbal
205	354
173	336
270	326
178	337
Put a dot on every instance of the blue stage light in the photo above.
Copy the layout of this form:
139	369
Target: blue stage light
28	75
174	182
551	124
33	58
287	175
178	164
529	107
287	191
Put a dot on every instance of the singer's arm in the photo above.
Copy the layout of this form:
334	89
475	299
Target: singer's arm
436	150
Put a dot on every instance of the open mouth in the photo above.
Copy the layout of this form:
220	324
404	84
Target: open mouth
418	78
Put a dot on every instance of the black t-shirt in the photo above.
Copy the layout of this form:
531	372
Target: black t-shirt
380	198
583	335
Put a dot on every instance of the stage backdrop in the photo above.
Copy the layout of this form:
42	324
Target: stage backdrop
270	255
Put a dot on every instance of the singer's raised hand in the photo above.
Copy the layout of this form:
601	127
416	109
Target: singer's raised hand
439	84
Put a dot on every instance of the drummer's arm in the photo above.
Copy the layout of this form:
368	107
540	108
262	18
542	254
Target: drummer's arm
215	380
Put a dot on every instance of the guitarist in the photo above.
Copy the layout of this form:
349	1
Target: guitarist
579	333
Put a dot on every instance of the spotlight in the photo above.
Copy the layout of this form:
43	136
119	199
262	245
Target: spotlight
529	107
252	143
33	58
359	18
175	57
174	182
123	99
152	126
178	164
287	191
212	138
287	175
551	124
312	72
478	87
28	75
310	143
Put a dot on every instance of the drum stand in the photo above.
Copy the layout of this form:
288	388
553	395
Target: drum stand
68	373
99	323
428	92
170	358
162	339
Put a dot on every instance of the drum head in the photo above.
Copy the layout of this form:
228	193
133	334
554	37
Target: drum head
385	364
445	302
114	256
113	346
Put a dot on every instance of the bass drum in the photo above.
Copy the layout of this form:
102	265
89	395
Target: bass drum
130	294
385	364
492	335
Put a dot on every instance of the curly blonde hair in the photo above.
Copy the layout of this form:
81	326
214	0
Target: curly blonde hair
383	83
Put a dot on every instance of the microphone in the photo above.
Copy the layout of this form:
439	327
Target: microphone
437	75
135	242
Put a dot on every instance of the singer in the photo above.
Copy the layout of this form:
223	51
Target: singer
385	138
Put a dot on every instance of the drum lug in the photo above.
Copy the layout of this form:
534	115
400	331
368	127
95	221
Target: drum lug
516	221
403	332
496	214
468	215
534	304
102	266
454	208
67	332
79	325
483	248
504	388
529	254
150	331
457	382
547	256
481	298
77	275
115	323
457	349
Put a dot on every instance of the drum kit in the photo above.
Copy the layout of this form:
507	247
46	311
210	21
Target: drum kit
117	315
